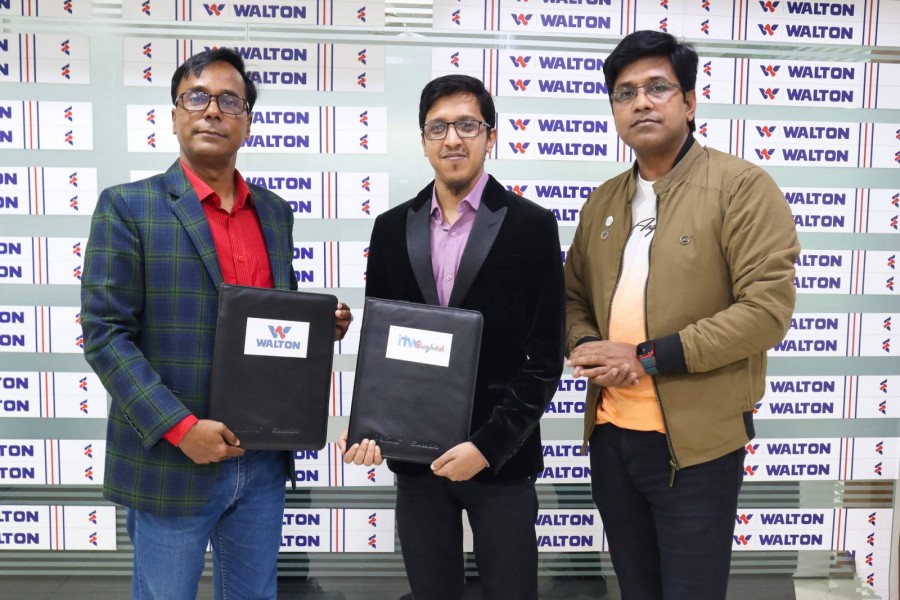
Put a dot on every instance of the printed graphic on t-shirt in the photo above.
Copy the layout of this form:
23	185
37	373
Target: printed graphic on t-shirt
646	226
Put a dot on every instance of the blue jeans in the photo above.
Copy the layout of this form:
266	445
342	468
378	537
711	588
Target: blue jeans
242	521
671	543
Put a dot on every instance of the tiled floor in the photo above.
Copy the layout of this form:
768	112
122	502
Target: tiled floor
825	589
743	587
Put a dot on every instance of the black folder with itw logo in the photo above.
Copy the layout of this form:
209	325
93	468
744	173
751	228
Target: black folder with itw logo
415	378
271	370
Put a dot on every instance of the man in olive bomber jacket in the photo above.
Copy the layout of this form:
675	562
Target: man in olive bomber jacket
678	280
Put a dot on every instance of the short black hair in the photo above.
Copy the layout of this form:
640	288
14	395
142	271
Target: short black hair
198	62
650	43
457	84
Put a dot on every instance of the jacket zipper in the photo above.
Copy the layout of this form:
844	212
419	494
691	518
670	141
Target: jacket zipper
673	460
611	297
619	274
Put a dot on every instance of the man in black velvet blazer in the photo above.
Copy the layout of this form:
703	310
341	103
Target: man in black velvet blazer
509	269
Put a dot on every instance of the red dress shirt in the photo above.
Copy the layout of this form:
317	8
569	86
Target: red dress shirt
243	257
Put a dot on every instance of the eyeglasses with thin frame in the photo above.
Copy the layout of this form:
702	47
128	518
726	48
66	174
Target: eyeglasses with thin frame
465	128
656	91
230	104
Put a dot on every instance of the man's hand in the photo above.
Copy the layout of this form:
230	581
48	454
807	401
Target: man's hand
344	317
365	453
460	463
209	442
608	364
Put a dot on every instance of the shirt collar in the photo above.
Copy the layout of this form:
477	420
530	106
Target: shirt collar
207	194
473	198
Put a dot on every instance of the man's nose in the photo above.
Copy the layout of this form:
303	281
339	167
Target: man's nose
451	131
642	100
210	111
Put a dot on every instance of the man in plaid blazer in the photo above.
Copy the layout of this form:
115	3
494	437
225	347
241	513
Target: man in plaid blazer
158	250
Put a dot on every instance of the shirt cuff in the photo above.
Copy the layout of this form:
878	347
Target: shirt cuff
175	435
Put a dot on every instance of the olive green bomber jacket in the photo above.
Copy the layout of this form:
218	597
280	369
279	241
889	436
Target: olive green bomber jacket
720	292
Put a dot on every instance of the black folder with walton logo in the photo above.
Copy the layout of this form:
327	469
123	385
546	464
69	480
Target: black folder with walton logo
415	378
271	370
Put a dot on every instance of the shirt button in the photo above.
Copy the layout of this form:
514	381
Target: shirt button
449	277
241	258
453	235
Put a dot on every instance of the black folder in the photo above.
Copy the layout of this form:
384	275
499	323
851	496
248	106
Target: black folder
415	378
271	369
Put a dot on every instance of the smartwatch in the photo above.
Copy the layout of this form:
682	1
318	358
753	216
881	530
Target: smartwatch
646	353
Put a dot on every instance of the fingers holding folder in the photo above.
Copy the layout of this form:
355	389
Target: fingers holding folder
210	441
365	453
343	318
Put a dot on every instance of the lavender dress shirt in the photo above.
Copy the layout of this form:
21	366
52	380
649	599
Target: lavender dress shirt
449	241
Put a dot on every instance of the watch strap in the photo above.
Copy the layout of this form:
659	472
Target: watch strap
646	353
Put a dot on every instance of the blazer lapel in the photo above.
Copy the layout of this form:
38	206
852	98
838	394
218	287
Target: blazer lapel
487	223
268	219
418	246
189	212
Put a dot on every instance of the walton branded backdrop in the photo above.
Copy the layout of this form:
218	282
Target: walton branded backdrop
808	90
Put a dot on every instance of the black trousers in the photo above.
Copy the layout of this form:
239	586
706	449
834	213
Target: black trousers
666	543
502	518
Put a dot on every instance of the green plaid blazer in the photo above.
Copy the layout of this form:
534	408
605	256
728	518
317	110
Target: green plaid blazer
149	299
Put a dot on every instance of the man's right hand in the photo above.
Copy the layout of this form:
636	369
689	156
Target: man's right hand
209	442
365	453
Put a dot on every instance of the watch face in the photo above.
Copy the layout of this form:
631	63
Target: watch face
644	348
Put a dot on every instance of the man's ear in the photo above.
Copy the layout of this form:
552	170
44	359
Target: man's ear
491	140
690	101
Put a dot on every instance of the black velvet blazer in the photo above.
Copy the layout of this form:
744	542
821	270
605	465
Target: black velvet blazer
510	272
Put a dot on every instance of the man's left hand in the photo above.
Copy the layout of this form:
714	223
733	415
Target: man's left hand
460	463
609	364
344	317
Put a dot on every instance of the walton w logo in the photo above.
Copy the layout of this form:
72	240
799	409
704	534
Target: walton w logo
279	332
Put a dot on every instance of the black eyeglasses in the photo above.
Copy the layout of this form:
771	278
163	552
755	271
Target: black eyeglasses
657	91
230	104
467	128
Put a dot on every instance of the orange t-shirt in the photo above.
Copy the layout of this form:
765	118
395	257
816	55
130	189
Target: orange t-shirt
633	407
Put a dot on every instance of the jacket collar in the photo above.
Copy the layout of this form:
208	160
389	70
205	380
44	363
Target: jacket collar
188	210
488	220
688	154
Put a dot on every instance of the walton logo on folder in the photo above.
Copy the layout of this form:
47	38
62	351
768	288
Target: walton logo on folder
282	338
279	332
